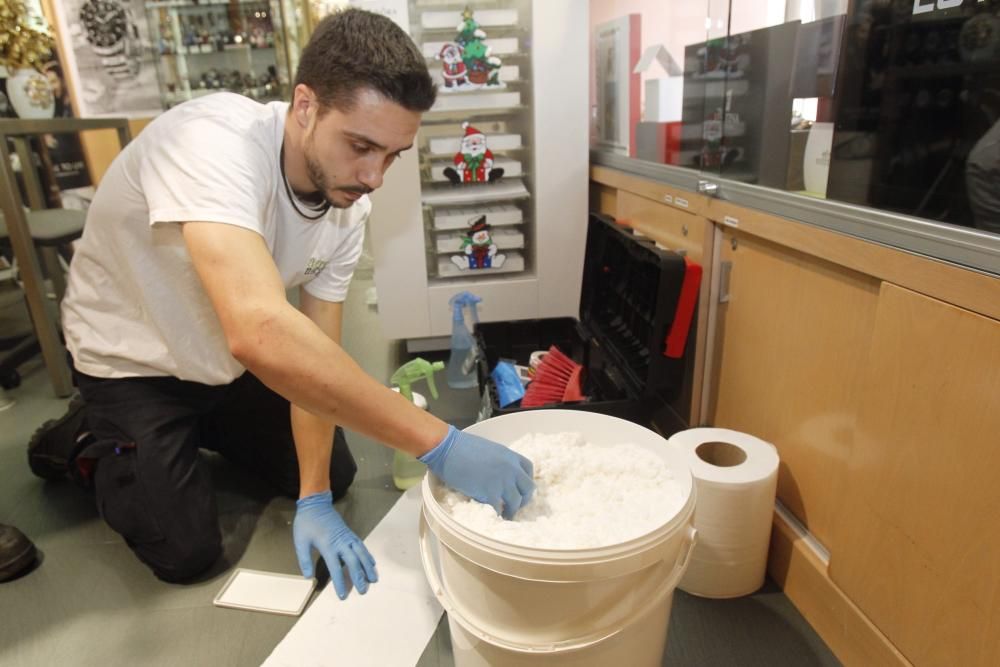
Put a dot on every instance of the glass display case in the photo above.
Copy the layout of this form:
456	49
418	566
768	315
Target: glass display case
211	46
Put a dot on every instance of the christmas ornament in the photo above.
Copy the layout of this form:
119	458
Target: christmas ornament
474	160
467	63
21	46
479	250
453	69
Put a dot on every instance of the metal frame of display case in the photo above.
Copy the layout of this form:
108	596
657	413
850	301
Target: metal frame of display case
965	247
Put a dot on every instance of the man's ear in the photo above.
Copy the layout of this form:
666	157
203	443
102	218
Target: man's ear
304	104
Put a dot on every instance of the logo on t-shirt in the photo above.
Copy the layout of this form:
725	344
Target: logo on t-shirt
315	266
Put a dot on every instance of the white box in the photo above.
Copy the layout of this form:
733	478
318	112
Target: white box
664	97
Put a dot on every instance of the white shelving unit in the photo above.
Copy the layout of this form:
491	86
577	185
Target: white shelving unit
535	122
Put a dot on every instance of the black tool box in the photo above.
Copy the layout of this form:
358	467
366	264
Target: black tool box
633	337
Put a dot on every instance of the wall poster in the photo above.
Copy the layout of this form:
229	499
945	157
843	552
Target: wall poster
109	52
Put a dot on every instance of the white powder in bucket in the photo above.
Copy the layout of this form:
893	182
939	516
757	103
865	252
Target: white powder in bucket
587	495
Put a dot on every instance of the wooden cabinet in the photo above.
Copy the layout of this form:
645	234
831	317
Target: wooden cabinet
876	374
791	341
916	536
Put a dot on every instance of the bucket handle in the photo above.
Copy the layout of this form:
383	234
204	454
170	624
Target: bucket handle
437	587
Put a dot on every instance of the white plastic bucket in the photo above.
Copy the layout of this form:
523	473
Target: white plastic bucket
515	605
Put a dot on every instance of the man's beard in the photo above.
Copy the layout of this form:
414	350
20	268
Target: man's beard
323	189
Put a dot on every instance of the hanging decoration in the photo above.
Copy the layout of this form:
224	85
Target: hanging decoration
478	249
474	160
467	63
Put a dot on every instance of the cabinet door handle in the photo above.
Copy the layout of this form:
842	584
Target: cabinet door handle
725	269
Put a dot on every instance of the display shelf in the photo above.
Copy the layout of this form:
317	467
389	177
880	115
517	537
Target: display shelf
478	100
511	168
513	263
509	74
539	276
505	239
497	215
474	193
451	145
189	4
487	18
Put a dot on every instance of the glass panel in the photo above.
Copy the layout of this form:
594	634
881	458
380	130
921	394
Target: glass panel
892	104
916	111
749	112
209	47
715	71
641	72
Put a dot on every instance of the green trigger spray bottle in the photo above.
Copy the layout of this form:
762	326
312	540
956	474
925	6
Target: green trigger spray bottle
407	470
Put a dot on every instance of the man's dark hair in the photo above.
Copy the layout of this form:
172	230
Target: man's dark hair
353	49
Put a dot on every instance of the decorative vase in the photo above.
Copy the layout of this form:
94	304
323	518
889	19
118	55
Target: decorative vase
30	94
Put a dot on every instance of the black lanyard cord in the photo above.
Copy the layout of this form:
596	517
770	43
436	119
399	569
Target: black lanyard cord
322	208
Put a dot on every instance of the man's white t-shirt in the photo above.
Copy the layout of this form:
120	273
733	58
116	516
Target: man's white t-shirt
134	304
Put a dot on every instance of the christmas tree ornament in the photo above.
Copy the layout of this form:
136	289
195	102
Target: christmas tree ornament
478	249
468	63
474	160
484	68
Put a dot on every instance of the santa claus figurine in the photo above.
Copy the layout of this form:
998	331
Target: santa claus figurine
453	69
480	252
474	161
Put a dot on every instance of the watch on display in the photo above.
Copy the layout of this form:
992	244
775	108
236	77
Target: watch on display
113	36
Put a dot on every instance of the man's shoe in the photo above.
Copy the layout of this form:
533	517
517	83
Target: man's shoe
57	442
17	553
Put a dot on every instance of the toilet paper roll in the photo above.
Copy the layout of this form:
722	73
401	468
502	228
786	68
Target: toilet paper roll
736	477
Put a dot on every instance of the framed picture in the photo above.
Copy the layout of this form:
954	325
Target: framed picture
108	51
617	47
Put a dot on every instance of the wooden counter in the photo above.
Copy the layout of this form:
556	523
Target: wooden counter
876	374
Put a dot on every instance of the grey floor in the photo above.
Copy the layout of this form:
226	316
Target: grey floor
90	602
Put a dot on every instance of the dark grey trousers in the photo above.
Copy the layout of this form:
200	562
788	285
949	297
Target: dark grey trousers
150	485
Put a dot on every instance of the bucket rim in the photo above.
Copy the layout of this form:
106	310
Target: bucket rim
545	556
555	556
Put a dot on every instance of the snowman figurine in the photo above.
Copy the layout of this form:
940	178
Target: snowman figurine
474	161
479	250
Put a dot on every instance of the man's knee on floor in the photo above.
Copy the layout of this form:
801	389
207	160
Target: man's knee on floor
183	561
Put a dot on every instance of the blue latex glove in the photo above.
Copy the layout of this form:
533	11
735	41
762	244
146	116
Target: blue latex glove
318	525
483	470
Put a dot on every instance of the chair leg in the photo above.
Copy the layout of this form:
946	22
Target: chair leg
53	267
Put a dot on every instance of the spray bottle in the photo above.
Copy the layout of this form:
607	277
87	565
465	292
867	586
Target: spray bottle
407	470
462	362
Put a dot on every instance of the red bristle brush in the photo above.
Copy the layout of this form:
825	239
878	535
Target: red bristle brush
558	379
